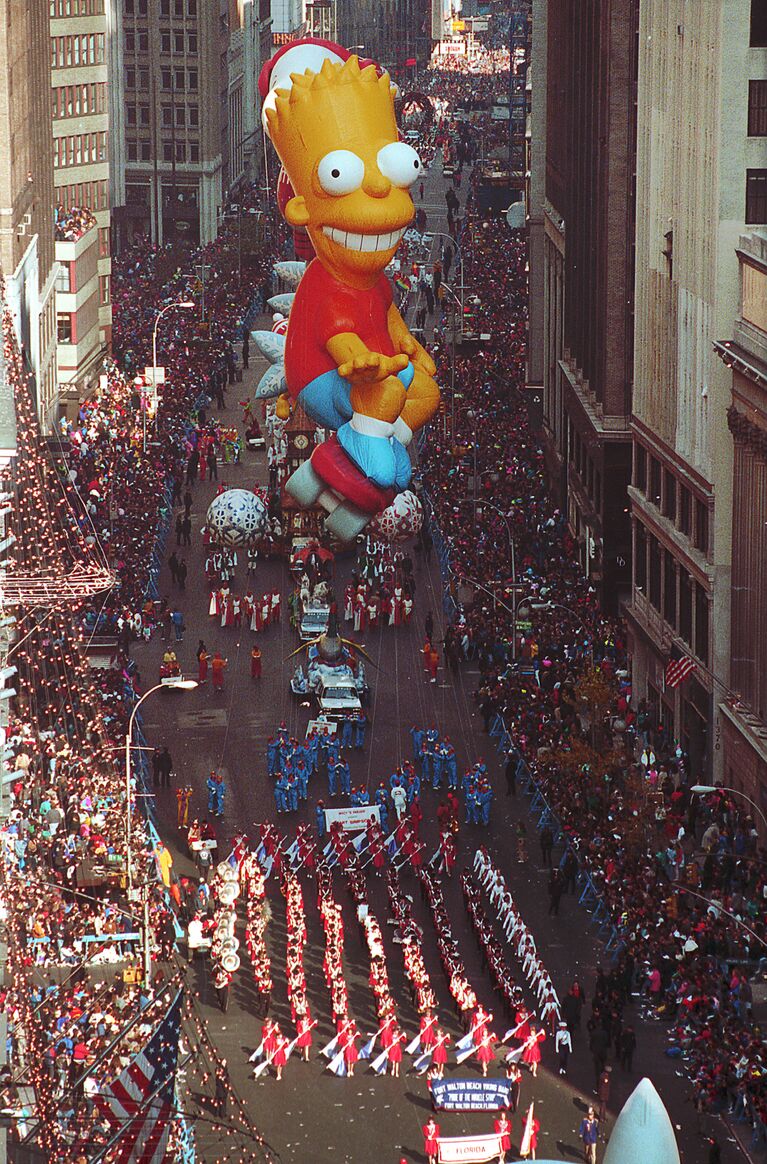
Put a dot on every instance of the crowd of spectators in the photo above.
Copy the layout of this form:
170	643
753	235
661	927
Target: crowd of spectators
683	880
69	225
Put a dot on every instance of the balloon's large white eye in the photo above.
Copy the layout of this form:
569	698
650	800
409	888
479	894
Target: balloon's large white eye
341	172
399	163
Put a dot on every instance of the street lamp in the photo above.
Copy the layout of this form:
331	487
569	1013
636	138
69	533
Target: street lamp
459	254
181	684
184	303
705	789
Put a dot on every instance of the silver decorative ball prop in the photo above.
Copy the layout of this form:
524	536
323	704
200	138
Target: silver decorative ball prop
236	518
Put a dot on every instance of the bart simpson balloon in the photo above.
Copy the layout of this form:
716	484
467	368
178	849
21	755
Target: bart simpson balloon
350	359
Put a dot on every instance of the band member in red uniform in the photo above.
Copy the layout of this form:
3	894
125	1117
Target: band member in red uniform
304	1032
503	1129
439	1054
532	1052
430	1140
486	1050
348	1040
280	1054
395	1052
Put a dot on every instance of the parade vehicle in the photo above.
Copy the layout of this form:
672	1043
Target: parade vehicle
337	696
314	621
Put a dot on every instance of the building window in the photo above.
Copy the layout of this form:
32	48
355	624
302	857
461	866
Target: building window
143	114
685	510
166	78
655	478
167	115
180	116
685	607
701	623
191	7
191	42
669	495
640	468
143	42
146	151
640	558
64	278
178	39
701	526
756	197
669	589
64	327
167	151
164	42
194	152
757	108
132	151
193	79
130	78
143	80
655	571
194	114
758	38
179	79
104	289
130	42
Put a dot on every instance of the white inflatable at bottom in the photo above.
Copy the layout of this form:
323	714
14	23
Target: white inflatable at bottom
643	1133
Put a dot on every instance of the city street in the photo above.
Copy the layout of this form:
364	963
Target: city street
310	1114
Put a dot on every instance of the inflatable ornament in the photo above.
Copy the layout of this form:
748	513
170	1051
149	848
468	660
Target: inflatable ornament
236	518
400	520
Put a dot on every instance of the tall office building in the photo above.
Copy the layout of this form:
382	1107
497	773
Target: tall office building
79	32
581	223
166	89
183	113
26	190
701	188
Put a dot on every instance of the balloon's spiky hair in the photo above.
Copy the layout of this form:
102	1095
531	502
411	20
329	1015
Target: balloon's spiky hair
306	85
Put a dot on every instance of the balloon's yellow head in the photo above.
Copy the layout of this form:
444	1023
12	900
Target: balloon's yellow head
336	135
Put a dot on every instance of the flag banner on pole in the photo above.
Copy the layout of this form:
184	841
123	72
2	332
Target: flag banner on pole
414	1044
462	1056
330	1047
677	670
379	1063
257	1053
138	1103
422	1063
527	1134
367	1050
336	1064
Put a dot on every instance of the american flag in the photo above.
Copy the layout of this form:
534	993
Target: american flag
138	1102
677	670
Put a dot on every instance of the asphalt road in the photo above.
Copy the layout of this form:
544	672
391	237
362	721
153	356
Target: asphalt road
311	1115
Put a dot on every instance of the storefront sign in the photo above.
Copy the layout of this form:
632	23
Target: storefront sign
470	1094
353	819
475	1149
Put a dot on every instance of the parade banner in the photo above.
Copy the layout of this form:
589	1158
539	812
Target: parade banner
470	1094
321	727
353	819
474	1149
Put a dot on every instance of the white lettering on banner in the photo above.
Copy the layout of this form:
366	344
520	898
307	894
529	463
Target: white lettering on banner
475	1149
353	819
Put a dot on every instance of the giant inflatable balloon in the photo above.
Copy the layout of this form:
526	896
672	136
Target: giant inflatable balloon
236	518
350	360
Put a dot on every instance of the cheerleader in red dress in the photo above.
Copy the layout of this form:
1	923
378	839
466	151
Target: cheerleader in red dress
431	1140
503	1129
351	1054
270	1035
395	1052
387	1029
304	1032
532	1052
486	1050
280	1055
428	1026
439	1054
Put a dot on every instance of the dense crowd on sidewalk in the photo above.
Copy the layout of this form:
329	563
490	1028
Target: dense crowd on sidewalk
511	546
67	913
